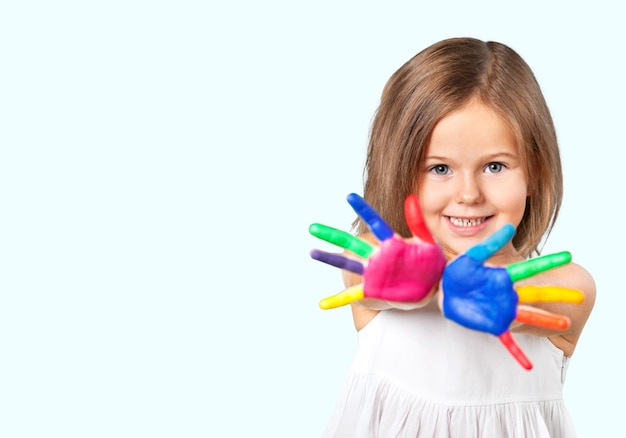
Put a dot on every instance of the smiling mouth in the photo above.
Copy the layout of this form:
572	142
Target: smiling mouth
462	222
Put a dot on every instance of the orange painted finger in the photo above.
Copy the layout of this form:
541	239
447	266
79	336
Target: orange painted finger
543	319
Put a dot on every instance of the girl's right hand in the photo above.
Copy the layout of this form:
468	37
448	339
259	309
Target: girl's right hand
397	270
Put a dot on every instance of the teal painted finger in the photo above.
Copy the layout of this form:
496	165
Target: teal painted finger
342	239
528	268
491	244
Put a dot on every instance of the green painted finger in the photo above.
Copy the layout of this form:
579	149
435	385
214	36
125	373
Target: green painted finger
342	238
528	268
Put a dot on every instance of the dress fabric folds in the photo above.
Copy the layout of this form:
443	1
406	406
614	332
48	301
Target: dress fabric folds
417	374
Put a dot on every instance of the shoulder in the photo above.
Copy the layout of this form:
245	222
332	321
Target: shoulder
575	276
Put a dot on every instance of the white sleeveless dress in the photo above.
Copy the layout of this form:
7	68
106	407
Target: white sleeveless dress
417	374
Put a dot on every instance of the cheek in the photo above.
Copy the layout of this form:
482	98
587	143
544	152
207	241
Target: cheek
432	202
512	200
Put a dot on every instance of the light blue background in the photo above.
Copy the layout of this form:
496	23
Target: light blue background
161	162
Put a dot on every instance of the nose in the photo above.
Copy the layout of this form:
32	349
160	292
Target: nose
468	191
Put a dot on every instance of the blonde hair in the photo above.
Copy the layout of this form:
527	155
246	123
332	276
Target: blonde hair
439	80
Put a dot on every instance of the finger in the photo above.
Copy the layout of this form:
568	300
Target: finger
415	220
492	244
514	349
342	239
338	261
376	224
350	295
534	294
528	268
543	319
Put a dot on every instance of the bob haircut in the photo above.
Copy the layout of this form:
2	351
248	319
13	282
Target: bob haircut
437	81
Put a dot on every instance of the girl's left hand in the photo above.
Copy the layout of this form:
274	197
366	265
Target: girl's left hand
483	297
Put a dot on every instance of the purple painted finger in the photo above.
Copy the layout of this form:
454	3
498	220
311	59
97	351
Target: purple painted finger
338	261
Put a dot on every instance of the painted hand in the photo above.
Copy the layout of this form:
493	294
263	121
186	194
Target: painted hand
401	270
483	298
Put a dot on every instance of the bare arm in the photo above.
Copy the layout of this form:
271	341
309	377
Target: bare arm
571	276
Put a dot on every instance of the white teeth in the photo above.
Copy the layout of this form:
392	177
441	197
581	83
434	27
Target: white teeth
459	222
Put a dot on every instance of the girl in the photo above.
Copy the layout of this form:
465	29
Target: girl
463	125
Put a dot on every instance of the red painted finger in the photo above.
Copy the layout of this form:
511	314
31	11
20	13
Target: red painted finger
415	220
514	349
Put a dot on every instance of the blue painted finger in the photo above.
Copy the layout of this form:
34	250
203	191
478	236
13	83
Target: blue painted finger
492	244
376	224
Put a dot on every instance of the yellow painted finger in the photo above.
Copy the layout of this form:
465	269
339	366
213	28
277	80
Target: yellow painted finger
350	295
533	294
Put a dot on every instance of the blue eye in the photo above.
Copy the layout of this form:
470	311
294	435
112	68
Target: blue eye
440	169
494	167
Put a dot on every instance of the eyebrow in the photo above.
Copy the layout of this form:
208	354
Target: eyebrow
487	157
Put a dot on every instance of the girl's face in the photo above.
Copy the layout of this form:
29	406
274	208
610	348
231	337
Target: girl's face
473	180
